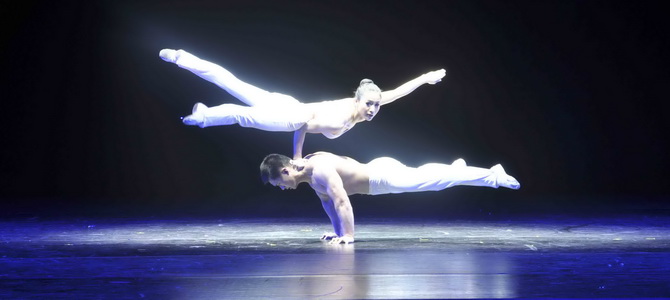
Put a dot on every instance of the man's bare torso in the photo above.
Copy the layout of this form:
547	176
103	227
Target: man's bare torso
353	174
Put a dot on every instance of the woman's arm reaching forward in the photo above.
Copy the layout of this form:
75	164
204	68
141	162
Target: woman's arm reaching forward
429	78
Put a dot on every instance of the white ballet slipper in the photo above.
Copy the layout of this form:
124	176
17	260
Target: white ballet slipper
197	117
503	179
168	55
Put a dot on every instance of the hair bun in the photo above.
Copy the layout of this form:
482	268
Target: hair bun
366	81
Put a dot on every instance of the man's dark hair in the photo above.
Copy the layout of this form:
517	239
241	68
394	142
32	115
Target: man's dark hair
272	165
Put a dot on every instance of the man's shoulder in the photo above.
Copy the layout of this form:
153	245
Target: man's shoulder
324	165
321	157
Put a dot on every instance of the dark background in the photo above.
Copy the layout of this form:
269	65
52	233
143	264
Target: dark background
570	96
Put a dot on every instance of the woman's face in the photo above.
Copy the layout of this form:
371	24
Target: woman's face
368	105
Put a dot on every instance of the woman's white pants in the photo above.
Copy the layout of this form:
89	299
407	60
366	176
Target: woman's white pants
266	111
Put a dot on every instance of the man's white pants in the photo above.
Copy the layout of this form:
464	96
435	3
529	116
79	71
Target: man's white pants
389	176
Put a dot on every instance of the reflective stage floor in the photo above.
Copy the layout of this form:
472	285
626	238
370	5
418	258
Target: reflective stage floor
568	256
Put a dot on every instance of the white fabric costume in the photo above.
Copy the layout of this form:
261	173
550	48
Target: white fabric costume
266	111
389	176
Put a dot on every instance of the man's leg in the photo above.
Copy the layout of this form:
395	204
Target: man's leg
390	176
269	119
435	177
216	74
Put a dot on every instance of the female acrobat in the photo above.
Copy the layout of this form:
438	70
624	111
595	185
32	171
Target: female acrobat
278	112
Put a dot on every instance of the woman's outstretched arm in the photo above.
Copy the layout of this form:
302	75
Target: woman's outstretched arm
429	78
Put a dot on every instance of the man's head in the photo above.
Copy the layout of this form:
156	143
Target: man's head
277	170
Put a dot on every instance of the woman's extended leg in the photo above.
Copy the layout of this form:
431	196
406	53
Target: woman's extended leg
216	74
288	119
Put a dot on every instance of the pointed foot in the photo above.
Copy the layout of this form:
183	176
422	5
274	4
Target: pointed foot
168	55
505	180
197	117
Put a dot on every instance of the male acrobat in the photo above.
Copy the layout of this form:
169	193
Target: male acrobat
334	178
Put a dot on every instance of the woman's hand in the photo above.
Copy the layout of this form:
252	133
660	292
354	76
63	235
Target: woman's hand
435	76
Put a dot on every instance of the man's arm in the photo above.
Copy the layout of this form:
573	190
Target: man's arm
339	206
328	206
430	78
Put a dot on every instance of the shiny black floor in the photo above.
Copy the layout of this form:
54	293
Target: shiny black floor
548	256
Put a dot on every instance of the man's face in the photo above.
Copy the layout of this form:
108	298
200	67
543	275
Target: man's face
286	180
